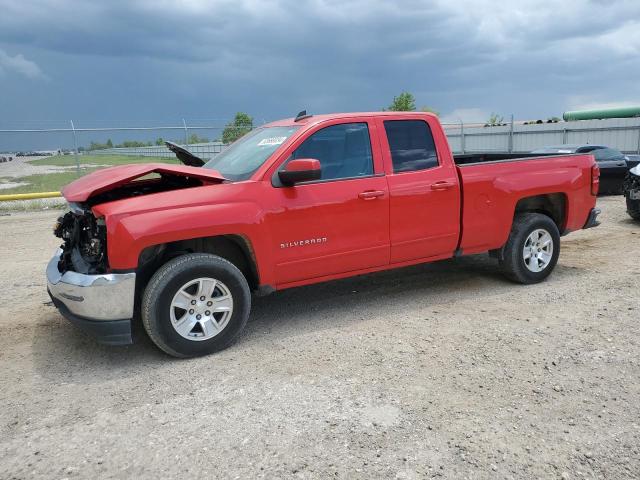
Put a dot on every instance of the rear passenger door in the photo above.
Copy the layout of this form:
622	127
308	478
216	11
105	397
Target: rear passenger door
423	188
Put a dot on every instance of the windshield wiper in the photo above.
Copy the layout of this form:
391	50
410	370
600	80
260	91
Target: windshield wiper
184	155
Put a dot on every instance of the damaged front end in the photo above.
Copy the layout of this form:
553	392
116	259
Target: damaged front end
85	241
79	282
82	285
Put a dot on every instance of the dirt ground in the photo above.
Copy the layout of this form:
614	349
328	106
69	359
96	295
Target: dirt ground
443	370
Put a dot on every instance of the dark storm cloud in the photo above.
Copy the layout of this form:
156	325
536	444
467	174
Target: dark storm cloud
206	58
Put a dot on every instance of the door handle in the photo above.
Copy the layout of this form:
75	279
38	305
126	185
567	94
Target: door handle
371	194
442	185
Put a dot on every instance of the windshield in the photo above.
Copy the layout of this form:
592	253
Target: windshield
247	154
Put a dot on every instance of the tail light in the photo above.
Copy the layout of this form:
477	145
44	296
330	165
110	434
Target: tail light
595	179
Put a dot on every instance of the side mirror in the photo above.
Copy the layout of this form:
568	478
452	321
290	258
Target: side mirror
300	170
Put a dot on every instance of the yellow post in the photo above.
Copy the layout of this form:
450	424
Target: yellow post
29	196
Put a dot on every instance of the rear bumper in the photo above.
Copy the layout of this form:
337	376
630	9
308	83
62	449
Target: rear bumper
592	220
102	305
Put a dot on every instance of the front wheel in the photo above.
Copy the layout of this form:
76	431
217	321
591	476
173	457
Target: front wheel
195	304
633	208
532	250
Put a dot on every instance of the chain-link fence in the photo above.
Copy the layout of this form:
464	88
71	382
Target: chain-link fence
522	137
44	159
623	134
205	151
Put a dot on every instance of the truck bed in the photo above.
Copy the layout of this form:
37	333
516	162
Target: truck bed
493	184
482	157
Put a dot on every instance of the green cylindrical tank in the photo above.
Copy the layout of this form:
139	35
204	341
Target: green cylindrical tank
621	112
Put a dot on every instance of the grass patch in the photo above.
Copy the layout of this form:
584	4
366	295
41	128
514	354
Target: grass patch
46	182
53	182
98	160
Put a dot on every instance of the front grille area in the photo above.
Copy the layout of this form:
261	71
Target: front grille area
85	242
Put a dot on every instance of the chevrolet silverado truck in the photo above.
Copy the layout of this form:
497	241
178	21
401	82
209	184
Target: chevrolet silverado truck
179	249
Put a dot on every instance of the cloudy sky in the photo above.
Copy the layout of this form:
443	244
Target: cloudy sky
120	62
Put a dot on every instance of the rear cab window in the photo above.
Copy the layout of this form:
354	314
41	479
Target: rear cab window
411	145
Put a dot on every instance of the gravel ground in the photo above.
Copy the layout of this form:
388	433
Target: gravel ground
443	370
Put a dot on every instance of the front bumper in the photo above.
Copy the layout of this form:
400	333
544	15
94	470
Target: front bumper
102	305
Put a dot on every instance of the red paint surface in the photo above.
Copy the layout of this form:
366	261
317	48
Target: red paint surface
326	230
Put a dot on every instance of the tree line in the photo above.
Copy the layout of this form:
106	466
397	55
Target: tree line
242	123
193	138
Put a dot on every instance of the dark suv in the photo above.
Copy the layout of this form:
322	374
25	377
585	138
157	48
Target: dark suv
612	163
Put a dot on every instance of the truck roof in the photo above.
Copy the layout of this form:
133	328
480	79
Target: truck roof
313	119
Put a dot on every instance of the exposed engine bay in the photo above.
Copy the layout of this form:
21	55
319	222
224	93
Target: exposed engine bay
85	238
137	188
85	242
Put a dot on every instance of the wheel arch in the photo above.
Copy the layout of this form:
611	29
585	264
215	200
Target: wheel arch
234	248
554	205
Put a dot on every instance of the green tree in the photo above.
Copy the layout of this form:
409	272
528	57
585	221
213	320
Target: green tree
109	143
194	138
405	102
242	124
159	141
134	143
100	146
495	120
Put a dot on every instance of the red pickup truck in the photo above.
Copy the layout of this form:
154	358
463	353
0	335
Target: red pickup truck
295	202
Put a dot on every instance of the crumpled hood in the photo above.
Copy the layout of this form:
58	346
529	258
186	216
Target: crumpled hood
111	178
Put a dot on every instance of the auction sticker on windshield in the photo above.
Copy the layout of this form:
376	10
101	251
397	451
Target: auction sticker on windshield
271	141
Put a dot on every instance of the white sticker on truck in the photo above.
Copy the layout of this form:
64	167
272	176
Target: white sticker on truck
271	141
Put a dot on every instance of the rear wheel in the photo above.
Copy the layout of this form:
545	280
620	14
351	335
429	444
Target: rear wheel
195	304
532	250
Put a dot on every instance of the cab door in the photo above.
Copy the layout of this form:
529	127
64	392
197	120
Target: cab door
423	188
339	223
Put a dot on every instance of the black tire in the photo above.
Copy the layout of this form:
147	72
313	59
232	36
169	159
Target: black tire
165	283
513	264
633	208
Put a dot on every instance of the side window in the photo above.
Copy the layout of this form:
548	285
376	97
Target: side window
344	151
411	144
